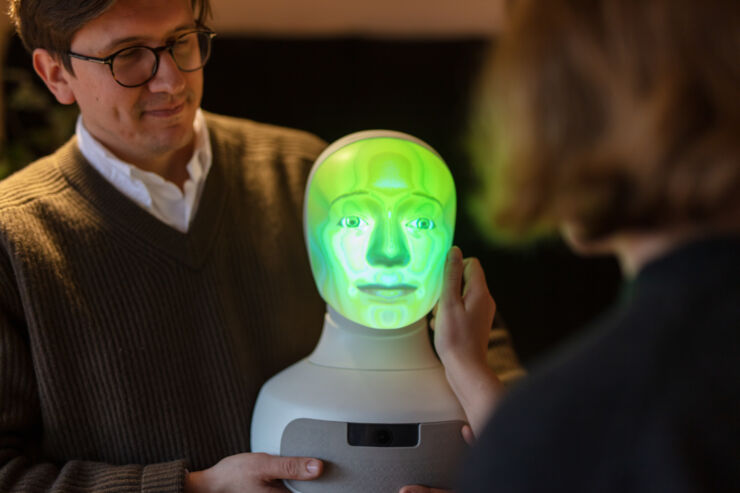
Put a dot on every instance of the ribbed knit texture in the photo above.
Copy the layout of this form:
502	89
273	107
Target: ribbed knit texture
128	350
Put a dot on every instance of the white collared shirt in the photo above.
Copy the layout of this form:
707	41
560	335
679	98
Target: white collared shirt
162	198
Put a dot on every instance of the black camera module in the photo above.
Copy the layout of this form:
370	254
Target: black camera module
383	435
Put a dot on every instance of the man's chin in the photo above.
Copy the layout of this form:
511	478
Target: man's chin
171	139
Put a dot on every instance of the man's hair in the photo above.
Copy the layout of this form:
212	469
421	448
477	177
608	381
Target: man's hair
51	24
614	115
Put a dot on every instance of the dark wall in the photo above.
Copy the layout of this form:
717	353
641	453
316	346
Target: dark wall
333	87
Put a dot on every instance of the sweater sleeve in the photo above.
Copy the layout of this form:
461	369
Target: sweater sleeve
23	467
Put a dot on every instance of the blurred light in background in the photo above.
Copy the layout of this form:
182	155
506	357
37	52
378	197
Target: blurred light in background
382	18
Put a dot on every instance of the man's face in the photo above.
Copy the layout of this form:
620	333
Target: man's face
382	220
147	123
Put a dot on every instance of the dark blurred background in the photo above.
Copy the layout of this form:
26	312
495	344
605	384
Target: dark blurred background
335	85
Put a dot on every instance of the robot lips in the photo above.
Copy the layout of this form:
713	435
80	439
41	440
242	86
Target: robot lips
387	292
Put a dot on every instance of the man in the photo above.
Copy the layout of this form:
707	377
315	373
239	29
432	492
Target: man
152	270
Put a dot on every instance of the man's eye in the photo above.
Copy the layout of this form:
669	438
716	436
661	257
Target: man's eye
421	223
184	41
134	53
351	222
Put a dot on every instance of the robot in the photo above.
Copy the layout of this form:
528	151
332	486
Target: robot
371	400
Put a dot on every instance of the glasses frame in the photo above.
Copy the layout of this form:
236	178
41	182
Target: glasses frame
156	51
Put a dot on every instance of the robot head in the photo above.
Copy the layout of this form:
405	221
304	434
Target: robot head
379	218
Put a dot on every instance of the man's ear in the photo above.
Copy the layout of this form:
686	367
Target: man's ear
54	75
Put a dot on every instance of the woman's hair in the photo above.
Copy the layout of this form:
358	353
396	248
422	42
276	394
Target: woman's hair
612	115
51	24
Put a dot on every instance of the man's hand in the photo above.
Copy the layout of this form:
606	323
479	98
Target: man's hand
462	322
253	473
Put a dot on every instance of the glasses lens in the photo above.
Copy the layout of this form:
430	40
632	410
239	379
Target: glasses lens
134	66
191	50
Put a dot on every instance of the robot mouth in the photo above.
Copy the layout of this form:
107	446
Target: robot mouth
387	291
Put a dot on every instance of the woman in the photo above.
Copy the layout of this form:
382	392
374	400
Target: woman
616	122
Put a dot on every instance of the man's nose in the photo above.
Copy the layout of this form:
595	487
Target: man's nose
388	245
169	78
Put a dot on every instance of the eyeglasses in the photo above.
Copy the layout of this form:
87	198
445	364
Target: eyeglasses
136	65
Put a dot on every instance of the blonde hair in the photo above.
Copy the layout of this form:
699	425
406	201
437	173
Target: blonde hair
611	114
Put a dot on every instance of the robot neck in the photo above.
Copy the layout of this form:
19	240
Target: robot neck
346	344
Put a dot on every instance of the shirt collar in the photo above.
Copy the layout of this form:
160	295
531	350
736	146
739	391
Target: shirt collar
148	189
107	163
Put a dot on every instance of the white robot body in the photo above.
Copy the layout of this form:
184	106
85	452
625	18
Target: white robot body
394	380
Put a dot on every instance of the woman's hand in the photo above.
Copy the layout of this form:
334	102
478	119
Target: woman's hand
462	321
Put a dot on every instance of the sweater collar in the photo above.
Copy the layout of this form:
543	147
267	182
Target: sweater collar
121	213
152	192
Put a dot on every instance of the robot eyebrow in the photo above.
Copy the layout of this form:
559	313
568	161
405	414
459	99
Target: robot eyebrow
419	194
345	195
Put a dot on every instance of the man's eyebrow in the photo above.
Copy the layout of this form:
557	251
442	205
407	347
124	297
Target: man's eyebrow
116	42
142	39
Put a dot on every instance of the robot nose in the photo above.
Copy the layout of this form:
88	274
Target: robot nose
388	246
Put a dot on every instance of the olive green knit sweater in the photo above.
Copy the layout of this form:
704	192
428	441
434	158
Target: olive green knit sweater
128	350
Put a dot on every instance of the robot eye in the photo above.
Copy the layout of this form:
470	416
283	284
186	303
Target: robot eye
421	223
351	222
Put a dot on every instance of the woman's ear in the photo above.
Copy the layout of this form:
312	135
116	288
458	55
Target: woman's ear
54	74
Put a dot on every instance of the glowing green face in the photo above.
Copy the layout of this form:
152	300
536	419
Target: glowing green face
380	216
